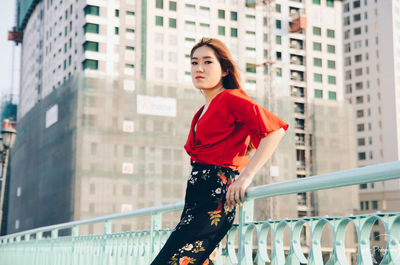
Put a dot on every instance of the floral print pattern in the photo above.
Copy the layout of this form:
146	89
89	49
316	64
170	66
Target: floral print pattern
205	219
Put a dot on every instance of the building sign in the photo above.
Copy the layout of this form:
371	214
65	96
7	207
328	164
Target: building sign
125	207
159	106
51	116
128	126
127	168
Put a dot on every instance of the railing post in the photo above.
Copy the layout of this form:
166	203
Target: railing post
155	224
75	231
107	227
245	216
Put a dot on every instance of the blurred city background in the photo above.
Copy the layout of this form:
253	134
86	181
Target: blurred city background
100	96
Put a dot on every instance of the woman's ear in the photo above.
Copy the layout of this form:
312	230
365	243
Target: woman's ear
225	73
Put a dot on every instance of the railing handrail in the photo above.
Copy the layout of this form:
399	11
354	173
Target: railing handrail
367	174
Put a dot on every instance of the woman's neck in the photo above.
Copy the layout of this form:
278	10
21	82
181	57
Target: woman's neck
209	94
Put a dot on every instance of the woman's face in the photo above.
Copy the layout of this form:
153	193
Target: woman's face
206	69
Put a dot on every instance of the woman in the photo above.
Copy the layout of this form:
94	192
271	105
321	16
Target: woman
223	133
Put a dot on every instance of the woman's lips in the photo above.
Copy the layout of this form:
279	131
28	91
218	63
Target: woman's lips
199	77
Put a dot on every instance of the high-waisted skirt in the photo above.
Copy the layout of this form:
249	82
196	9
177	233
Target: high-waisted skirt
205	218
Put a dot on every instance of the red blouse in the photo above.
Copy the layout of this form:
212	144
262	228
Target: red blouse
225	130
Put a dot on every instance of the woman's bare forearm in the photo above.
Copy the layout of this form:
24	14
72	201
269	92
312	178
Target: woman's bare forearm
264	151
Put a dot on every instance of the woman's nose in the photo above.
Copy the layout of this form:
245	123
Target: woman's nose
200	68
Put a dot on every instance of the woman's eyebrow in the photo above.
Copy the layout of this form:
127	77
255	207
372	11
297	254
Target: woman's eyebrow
205	57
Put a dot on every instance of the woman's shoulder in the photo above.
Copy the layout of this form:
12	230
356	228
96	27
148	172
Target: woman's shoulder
237	96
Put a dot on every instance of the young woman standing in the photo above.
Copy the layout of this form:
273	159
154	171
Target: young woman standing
223	133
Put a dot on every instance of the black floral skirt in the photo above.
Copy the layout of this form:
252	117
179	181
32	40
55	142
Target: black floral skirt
205	218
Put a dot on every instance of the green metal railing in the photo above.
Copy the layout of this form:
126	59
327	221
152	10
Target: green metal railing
139	247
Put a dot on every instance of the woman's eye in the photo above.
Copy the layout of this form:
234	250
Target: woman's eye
208	62
194	63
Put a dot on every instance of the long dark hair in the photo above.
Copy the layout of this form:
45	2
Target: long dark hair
232	79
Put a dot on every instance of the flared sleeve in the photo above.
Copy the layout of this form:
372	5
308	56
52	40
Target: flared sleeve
259	121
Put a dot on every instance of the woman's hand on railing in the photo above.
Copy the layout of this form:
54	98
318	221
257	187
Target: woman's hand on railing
237	190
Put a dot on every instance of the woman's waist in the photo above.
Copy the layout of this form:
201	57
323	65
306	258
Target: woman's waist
205	166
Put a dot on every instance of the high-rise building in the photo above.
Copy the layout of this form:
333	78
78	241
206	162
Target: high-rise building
106	101
372	85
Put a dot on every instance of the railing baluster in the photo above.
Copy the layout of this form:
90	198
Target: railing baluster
245	216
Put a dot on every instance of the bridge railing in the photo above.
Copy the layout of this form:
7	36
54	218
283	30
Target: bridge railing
140	247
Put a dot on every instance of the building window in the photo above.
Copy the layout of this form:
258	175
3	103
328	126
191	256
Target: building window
278	39
360	113
362	203
116	31
130	13
358	72
358	58
318	62
92	10
159	21
277	8
347	47
91	46
160	4
278	71
359	99
374	205
221	13
250	68
330	33
117	12
234	32
278	56
331	95
91	28
361	156
221	30
359	85
357	31
317	93
357	17
318	78
348	89
330	3
331	64
331	80
331	48
172	23
346	7
346	21
317	31
317	46
361	141
233	16
90	64
360	127
356	4
278	24
317	2
172	5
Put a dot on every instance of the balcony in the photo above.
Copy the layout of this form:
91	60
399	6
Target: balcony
298	24
300	166
296	44
296	59
297	76
140	247
299	108
297	92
